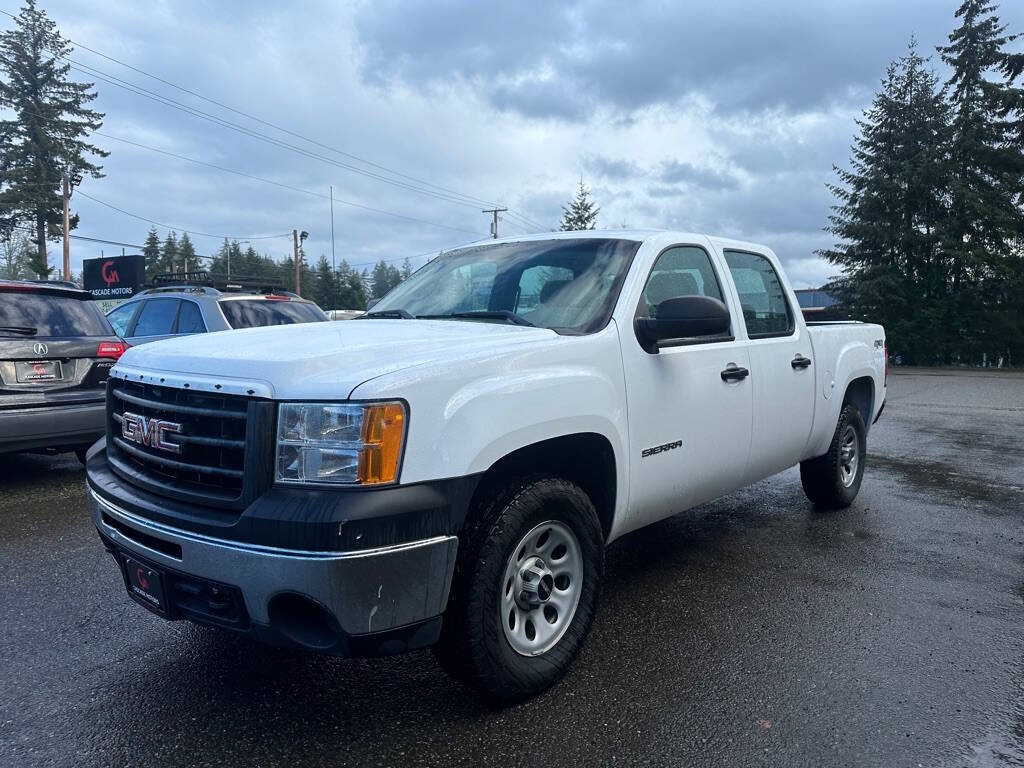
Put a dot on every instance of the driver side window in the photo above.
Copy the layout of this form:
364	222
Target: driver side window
681	271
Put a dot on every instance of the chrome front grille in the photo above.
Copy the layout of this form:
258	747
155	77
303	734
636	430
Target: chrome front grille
188	444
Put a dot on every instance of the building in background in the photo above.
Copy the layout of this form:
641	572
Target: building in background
818	304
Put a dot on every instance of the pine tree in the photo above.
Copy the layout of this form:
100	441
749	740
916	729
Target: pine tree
169	261
385	277
891	203
581	213
15	254
985	221
151	251
45	139
406	269
187	254
325	291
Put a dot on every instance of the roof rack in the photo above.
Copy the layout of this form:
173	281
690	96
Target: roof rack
203	279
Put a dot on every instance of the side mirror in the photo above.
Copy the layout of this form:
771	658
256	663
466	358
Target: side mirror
371	304
683	317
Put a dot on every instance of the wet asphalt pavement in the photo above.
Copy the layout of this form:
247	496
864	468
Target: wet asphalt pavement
752	631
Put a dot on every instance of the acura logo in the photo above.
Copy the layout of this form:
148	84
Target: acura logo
39	348
149	432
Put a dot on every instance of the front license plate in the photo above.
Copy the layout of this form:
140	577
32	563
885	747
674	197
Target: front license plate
44	370
145	585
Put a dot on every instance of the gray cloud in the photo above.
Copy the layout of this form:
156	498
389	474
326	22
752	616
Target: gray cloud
723	117
744	56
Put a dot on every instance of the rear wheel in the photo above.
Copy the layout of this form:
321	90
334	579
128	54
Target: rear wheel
833	480
525	590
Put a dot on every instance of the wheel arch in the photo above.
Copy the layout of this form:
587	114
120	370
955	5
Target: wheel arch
584	458
860	393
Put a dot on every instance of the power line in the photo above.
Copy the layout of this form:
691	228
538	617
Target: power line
181	107
270	181
281	184
183	229
139	90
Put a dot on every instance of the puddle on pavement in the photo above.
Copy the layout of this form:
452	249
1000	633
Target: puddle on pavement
938	475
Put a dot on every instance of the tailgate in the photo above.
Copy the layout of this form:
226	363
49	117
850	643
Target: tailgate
35	372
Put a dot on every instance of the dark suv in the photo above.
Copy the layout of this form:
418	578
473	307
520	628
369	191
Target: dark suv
176	306
56	348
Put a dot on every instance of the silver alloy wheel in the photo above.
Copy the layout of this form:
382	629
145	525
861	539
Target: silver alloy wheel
849	456
541	588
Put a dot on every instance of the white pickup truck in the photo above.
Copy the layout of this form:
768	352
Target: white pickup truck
447	469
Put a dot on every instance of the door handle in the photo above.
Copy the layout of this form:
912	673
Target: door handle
800	362
733	373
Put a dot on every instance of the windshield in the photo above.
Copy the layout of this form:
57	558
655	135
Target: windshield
566	285
23	313
256	313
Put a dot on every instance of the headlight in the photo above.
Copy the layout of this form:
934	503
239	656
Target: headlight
327	443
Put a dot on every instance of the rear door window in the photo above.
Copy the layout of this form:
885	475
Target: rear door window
46	316
190	319
766	311
156	318
256	313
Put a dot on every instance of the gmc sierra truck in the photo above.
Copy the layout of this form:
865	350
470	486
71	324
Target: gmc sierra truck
447	469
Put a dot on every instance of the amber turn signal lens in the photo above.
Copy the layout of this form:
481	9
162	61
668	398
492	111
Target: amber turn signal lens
383	429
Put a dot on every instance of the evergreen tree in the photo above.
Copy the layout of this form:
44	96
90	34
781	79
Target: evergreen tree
45	138
581	213
151	251
169	261
891	203
15	254
325	290
406	269
187	254
385	277
985	222
351	288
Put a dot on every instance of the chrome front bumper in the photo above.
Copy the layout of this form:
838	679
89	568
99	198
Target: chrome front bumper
367	591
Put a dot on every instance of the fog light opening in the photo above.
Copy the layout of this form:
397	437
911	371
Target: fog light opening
302	621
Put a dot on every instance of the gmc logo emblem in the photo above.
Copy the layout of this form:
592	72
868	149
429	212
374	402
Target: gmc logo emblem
149	432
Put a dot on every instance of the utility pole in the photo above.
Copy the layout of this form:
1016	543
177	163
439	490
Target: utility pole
332	229
295	245
67	227
494	226
297	239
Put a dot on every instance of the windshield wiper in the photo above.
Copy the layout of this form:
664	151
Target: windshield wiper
488	314
387	313
21	330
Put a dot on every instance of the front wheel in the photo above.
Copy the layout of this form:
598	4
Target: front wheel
525	589
833	480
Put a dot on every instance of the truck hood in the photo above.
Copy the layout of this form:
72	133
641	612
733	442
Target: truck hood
315	360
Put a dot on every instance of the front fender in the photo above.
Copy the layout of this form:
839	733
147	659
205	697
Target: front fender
467	414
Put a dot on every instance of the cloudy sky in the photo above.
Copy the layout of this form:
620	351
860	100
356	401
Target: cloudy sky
724	117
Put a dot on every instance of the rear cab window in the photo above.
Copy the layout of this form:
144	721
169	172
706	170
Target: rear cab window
766	312
257	313
49	316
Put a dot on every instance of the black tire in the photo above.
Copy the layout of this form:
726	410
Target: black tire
80	452
473	647
823	477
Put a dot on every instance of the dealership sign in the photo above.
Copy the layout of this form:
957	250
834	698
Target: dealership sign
118	277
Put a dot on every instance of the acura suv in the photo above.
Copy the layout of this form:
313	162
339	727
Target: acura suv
56	349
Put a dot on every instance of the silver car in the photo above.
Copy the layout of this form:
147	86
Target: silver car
184	308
